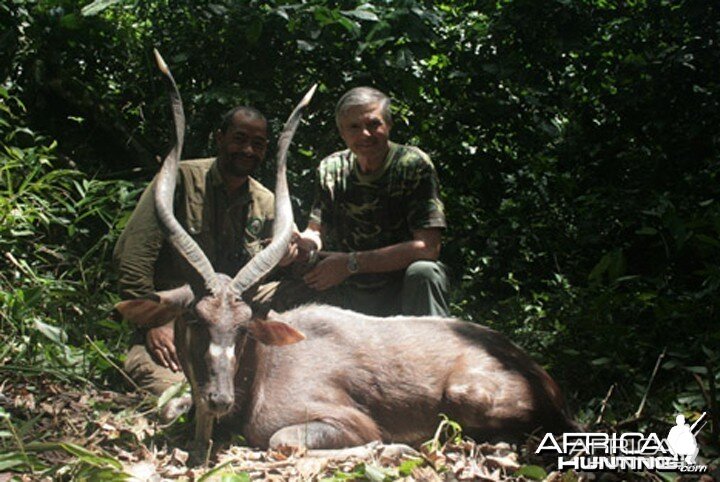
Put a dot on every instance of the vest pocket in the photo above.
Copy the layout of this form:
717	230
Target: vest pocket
198	227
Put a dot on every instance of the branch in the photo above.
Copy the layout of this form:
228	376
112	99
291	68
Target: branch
652	378
604	404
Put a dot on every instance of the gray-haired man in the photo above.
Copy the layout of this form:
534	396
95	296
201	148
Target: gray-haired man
377	217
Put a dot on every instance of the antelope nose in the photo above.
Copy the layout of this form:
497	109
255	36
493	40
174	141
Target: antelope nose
220	402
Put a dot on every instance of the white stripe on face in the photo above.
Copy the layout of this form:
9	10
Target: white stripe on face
217	351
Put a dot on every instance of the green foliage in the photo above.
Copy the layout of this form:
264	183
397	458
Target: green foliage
448	431
224	474
369	472
86	466
532	472
406	468
56	233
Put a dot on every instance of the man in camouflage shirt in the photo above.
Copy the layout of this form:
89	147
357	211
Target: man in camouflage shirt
226	211
377	217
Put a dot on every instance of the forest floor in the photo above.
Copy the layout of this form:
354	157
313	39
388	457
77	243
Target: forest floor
60	431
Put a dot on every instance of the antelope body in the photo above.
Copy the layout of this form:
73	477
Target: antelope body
357	378
321	377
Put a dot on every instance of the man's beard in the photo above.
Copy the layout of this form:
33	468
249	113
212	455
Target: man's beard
240	166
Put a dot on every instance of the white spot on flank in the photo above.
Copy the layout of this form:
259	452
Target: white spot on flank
217	351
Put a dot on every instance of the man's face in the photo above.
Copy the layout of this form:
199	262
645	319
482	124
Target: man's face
365	131
242	147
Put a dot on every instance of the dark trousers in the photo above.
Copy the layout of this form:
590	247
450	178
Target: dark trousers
421	291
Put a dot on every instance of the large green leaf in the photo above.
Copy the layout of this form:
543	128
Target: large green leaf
97	7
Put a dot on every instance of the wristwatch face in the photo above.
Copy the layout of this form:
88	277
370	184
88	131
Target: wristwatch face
352	264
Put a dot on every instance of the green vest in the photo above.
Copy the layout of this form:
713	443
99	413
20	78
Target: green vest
228	228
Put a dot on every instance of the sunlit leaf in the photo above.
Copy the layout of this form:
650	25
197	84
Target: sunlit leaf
97	6
54	333
533	472
407	466
362	15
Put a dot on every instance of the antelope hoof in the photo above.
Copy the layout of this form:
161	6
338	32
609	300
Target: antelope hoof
197	458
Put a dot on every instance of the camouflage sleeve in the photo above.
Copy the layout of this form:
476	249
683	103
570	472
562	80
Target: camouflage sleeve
316	210
138	248
425	209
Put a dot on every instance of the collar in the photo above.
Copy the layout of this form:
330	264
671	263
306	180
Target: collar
373	176
215	176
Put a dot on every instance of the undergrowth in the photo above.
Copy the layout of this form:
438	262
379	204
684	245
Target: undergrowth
57	230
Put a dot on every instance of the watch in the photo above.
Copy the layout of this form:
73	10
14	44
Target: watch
352	263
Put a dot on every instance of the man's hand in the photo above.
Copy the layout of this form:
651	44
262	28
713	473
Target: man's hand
160	343
301	244
308	240
292	252
329	272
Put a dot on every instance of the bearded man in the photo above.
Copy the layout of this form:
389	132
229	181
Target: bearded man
226	211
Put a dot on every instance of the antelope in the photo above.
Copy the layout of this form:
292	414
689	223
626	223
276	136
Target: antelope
320	377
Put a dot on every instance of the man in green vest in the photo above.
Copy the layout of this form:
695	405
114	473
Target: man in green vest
226	211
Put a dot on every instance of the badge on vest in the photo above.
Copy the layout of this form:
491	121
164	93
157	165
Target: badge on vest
254	226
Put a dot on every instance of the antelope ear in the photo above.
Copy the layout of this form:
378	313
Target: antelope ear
157	308
274	333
